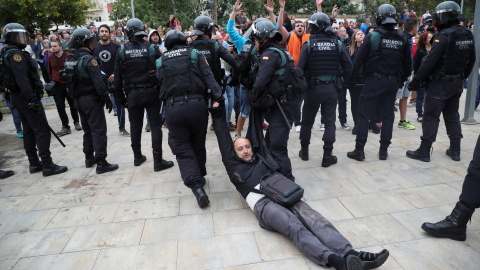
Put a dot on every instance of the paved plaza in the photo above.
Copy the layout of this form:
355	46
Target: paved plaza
134	218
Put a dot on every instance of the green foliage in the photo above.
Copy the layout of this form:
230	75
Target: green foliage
39	14
420	5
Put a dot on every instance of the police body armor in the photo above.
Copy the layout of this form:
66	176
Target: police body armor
8	79
280	85
210	50
179	74
324	57
81	83
247	78
456	54
386	53
138	65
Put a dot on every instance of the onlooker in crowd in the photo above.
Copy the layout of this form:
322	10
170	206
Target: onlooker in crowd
253	17
66	39
425	15
355	88
287	23
240	18
17	121
173	23
93	29
38	48
366	25
423	48
119	36
113	39
410	31
154	37
46	52
55	63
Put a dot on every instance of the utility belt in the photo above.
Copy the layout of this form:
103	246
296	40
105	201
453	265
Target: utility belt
138	86
184	98
380	75
441	76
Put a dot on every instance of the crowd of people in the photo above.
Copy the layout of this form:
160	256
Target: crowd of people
277	71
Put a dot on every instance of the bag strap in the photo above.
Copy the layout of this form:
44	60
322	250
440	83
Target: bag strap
262	159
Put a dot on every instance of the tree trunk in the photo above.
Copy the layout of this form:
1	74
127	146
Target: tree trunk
215	11
260	4
174	9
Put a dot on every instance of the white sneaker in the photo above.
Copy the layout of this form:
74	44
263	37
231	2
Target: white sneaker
346	126
322	127
297	128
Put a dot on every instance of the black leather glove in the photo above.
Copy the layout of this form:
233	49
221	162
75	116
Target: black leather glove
34	104
108	102
122	100
217	111
414	85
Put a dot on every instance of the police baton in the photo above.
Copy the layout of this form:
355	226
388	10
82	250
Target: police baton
209	93
51	130
283	114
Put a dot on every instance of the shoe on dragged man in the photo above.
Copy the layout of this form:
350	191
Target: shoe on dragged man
64	131
124	133
200	195
77	126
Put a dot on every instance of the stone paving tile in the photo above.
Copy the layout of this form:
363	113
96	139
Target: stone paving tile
203	253
150	177
433	253
19	203
84	215
11	190
109	235
274	246
65	200
331	209
473	239
287	264
235	221
430	195
77	260
8	264
177	228
381	182
347	171
457	185
368	204
120	194
47	186
218	202
171	189
34	243
155	256
220	184
326	189
25	221
372	231
156	208
385	166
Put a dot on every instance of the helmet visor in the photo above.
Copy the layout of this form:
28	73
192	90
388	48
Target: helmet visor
19	36
443	16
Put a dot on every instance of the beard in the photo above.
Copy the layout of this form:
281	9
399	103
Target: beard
104	38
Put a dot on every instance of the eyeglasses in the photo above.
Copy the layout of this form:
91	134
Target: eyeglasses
335	28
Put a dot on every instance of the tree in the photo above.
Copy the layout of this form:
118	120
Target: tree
39	14
420	5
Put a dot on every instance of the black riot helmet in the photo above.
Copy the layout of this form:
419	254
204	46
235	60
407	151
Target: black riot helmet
386	14
446	12
15	34
318	22
203	25
135	27
175	37
82	37
262	29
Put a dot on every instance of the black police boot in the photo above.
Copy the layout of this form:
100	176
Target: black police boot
454	151
383	152
103	166
6	174
49	168
453	226
328	159
138	158
159	164
422	153
357	154
89	160
35	164
199	192
303	154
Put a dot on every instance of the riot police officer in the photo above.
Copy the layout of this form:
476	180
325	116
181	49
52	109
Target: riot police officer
387	62
20	77
449	62
185	77
90	92
321	57
135	76
209	48
275	62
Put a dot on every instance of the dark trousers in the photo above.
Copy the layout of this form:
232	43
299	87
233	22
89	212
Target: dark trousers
35	129
311	233
354	97
43	67
443	97
120	111
187	128
471	186
298	114
325	95
377	92
237	100
60	96
342	105
139	101
278	133
94	124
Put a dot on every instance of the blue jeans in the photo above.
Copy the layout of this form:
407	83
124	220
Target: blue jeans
229	100
120	112
419	101
16	116
244	104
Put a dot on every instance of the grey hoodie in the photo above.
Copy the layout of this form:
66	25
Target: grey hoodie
160	42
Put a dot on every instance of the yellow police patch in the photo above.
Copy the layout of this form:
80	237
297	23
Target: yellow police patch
265	58
94	63
17	57
436	40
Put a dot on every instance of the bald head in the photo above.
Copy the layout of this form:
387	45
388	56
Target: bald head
243	149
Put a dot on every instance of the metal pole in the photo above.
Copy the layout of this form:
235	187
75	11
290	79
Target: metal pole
473	78
461	7
133	9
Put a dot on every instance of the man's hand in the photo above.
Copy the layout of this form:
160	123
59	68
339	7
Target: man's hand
319	5
34	105
414	85
110	79
345	23
269	6
122	100
218	108
334	11
281	3
215	104
108	102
